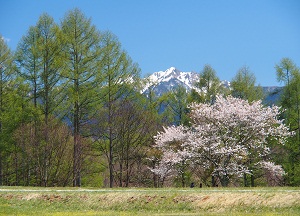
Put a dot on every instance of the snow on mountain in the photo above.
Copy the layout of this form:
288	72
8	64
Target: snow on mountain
226	83
163	81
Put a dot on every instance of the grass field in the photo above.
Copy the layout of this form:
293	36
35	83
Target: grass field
164	201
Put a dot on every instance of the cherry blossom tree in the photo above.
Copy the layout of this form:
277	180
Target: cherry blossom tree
229	138
176	156
273	173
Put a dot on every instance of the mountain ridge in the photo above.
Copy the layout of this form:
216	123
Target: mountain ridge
169	78
161	82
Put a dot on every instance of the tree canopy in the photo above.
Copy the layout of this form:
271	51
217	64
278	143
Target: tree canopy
222	139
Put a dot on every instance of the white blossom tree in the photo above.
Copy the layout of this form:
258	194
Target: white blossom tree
176	156
229	137
272	172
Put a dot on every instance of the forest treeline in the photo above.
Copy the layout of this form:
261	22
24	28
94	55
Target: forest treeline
71	111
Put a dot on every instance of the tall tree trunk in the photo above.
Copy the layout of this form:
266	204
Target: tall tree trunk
77	144
183	174
213	181
1	171
46	113
76	162
111	173
127	164
1	110
298	116
245	180
252	180
121	174
111	168
16	167
224	180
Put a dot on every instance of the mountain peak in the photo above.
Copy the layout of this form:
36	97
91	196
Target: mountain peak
163	81
173	69
170	78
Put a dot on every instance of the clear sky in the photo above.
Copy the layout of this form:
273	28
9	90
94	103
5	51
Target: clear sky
186	34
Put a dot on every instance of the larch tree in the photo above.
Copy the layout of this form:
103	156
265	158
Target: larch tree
81	76
28	61
39	57
51	62
209	84
117	71
289	74
50	50
12	106
6	69
285	70
244	85
27	58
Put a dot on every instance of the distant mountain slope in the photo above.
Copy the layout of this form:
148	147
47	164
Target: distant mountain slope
163	81
272	94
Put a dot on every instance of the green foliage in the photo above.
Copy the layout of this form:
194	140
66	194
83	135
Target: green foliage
51	58
117	71
289	74
175	103
194	96
81	73
44	160
39	59
93	172
244	85
209	84
10	105
285	70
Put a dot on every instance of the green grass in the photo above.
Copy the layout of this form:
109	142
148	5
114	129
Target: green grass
164	201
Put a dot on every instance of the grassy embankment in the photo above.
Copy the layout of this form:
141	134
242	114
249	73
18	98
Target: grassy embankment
165	201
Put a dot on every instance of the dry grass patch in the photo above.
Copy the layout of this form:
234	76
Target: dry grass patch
224	202
167	201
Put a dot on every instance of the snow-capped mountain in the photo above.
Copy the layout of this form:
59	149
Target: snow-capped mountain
163	81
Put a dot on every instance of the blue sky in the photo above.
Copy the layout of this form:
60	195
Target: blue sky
186	34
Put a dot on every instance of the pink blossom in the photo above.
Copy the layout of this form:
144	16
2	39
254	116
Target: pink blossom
223	136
